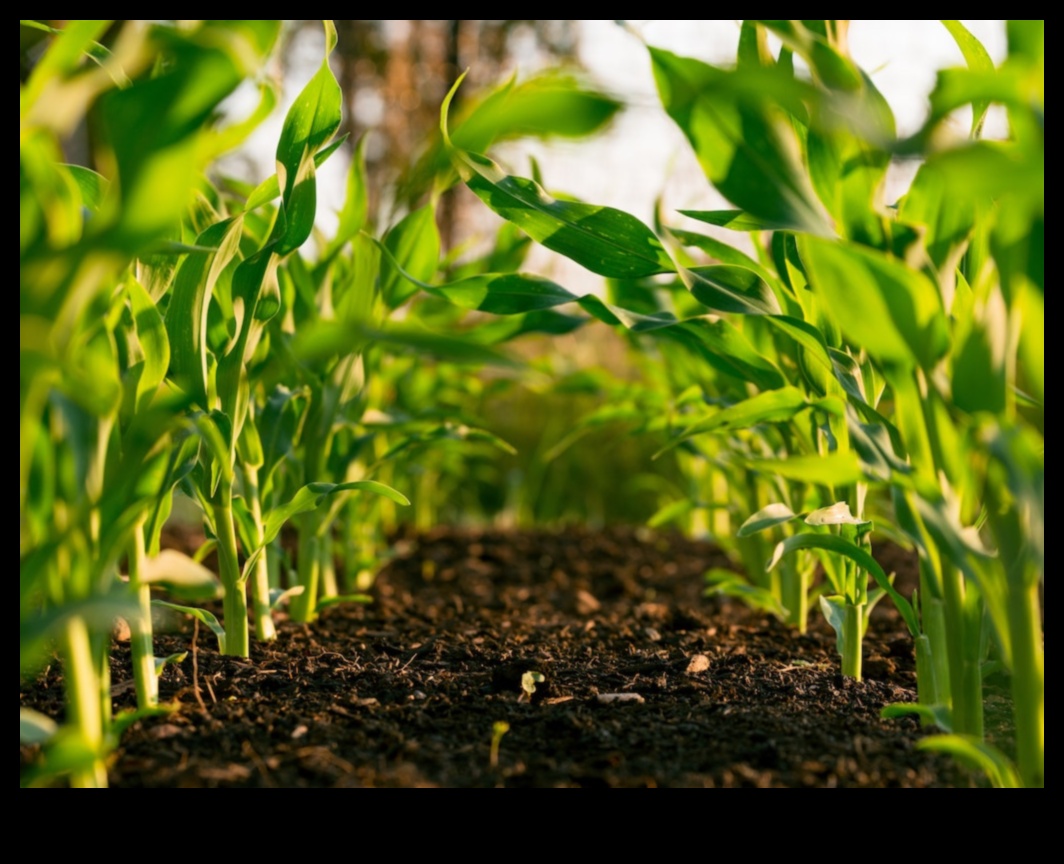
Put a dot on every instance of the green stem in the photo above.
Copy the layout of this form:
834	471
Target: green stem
141	646
966	683
235	604
795	596
327	567
852	638
926	682
1028	683
934	621
262	610
303	607
83	700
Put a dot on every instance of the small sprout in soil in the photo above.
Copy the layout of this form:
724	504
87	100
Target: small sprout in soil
529	682
498	732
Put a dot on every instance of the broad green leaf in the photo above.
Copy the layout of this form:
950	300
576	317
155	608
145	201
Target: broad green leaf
154	343
201	615
834	610
734	220
671	513
769	517
978	60
63	56
743	140
236	134
312	120
187	314
605	241
316	495
777	406
729	584
833	470
35	729
725	288
300	207
608	242
93	186
981	756
720	251
280	597
355	211
181	575
172	660
504	294
329	339
838	546
836	514
413	257
892	311
938	716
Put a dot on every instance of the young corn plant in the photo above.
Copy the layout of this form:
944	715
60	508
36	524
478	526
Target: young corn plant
906	332
95	429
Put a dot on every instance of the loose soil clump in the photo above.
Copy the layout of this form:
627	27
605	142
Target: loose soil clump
408	691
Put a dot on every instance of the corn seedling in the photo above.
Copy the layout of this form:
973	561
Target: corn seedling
891	352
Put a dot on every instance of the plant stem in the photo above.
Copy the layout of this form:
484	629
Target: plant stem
926	681
1028	683
795	596
934	620
262	611
852	633
141	646
83	700
235	604
966	682
303	607
327	567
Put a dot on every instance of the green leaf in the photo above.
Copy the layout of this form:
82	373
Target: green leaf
729	584
837	514
726	288
173	660
187	314
414	255
313	118
605	241
743	140
734	220
777	406
938	716
92	186
978	60
769	517
670	513
154	343
34	728
834	610
881	304
317	494
179	574
839	546
279	597
355	211
979	755
504	294
201	615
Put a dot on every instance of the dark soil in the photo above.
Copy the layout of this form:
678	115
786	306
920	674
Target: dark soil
407	692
